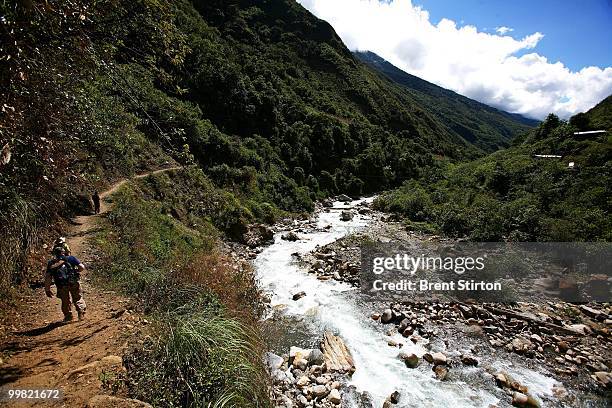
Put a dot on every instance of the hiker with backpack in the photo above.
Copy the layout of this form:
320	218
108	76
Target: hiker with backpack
65	271
95	197
61	243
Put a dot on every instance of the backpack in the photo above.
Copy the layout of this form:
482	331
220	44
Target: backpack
65	274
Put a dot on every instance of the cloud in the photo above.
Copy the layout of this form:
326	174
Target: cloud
494	68
504	30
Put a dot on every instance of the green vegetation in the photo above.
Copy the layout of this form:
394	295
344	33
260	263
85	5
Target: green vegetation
477	123
205	306
513	195
261	95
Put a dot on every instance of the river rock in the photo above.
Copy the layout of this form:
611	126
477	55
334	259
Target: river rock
257	235
410	359
298	353
334	397
290	236
343	197
469	360
441	372
581	328
403	325
316	370
337	356
286	402
394	397
386	316
316	357
520	344
273	362
302	401
501	380
300	363
319	391
346	216
302	381
322	380
428	357
439	358
521	400
299	295
408	331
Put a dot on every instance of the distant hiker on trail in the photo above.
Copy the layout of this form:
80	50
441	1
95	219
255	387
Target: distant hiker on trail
96	202
65	271
61	243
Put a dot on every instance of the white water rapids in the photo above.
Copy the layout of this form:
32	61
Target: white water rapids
334	306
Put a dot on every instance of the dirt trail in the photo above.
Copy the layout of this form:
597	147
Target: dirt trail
76	357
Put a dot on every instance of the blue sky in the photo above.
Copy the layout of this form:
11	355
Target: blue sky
576	32
532	57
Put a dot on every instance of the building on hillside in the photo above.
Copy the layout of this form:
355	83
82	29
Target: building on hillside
547	156
589	134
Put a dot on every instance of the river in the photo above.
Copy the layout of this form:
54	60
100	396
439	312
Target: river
335	306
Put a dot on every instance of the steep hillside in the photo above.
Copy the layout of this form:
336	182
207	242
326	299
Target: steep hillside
263	96
515	195
477	123
597	118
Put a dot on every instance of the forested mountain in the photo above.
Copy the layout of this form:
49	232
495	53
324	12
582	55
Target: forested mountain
477	123
515	195
261	95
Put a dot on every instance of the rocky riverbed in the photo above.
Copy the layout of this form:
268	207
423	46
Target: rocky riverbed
524	354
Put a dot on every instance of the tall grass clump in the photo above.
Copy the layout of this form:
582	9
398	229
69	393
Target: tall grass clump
19	229
201	360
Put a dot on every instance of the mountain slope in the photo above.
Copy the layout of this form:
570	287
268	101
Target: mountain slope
514	195
477	123
597	118
261	95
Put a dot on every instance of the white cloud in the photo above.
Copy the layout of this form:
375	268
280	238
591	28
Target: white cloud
504	30
496	69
